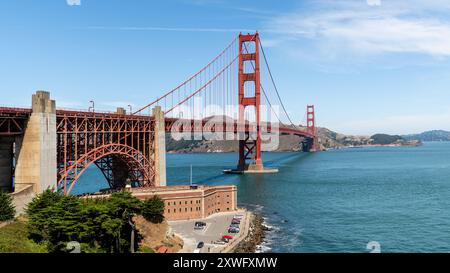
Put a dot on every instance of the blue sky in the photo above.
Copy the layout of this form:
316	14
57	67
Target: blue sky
368	65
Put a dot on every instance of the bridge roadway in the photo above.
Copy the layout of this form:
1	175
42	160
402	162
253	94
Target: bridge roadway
11	122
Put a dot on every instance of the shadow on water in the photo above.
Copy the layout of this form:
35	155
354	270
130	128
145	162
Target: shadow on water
274	162
295	156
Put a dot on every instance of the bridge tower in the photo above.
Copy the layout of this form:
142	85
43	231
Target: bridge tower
249	143
312	144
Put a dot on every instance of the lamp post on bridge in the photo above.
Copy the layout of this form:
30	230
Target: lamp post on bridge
92	106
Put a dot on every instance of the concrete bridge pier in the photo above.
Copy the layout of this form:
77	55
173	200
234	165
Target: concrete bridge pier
36	164
160	147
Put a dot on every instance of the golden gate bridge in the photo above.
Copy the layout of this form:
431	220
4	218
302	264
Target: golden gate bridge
224	98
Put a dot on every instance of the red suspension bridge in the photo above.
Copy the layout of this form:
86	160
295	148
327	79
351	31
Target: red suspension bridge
226	99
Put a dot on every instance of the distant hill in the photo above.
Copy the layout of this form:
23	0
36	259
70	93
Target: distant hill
435	135
327	140
384	139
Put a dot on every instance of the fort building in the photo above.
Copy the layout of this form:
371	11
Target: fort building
189	202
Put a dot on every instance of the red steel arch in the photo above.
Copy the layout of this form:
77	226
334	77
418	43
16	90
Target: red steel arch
133	158
121	145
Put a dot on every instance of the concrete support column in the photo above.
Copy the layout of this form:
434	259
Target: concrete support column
160	147
36	152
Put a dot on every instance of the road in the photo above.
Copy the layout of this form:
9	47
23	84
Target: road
216	226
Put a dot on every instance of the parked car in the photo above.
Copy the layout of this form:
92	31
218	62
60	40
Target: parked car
200	245
199	225
233	230
228	237
234	226
238	216
234	221
219	242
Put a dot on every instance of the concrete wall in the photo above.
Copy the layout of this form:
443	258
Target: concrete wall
160	147
22	197
36	151
6	157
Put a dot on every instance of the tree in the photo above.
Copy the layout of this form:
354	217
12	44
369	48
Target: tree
153	209
100	223
7	210
124	206
37	211
43	200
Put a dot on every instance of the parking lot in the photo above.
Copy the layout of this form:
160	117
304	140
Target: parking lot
216	227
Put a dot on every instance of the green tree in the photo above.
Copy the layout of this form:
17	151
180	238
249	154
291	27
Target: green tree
153	209
124	206
37	211
7	210
97	224
43	200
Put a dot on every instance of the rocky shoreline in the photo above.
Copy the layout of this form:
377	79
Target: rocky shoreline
256	235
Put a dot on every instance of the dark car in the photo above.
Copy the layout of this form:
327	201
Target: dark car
200	245
200	224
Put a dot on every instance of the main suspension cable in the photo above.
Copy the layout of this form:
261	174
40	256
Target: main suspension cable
273	82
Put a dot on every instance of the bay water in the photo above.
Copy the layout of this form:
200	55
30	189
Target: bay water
334	201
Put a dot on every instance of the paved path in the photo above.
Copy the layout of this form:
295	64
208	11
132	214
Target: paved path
216	226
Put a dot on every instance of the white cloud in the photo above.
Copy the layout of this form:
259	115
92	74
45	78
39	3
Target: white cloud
397	27
73	2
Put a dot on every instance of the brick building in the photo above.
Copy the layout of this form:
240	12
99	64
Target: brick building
192	202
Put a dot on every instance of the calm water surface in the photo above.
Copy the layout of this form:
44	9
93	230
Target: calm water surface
336	201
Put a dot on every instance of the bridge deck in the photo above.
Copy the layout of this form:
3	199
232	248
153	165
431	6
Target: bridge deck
206	125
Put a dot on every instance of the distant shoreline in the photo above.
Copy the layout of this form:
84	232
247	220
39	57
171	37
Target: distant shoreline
325	149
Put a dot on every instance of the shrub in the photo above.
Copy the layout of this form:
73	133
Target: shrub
7	210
